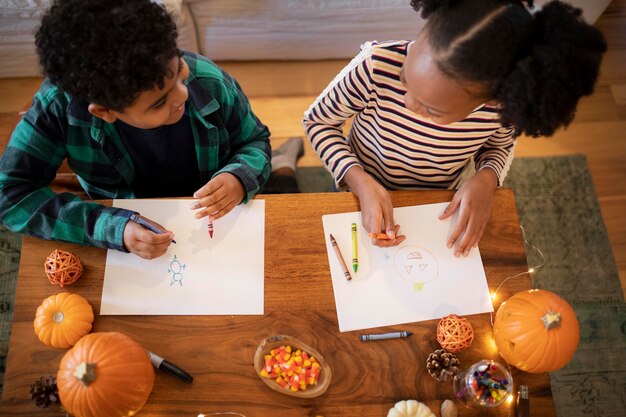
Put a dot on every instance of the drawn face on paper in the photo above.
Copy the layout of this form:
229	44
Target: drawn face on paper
416	265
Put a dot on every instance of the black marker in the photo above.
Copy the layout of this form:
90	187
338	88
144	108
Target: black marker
135	217
169	368
382	336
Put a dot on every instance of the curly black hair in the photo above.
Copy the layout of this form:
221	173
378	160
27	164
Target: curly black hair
106	52
537	66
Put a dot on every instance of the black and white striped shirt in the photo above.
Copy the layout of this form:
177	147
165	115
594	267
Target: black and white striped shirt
399	148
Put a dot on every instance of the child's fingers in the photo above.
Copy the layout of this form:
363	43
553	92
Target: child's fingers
449	210
458	230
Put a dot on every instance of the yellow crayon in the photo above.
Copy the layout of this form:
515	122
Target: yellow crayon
355	253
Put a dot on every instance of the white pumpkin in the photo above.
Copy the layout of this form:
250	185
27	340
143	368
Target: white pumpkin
410	408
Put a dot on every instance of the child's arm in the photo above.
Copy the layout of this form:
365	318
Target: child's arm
250	152
29	206
497	153
474	199
376	207
323	122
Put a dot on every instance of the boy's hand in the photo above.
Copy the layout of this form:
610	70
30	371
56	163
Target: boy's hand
218	197
475	199
144	243
376	207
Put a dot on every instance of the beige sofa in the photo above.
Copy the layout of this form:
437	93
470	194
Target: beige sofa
249	30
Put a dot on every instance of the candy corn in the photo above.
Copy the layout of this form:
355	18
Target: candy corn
292	369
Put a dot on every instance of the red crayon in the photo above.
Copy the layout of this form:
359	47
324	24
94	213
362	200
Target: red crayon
210	227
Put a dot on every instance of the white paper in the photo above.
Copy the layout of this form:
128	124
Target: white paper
418	280
197	275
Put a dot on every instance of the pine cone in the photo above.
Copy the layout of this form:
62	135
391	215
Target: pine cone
44	391
442	365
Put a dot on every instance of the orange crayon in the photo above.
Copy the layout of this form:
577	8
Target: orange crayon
381	236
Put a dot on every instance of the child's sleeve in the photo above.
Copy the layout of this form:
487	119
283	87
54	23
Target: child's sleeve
249	139
497	152
323	122
27	203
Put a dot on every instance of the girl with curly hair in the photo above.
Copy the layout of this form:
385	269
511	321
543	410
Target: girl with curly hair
480	73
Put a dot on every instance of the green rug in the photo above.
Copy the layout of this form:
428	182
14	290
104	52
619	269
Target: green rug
559	211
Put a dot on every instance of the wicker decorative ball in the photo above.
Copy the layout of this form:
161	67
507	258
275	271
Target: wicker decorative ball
454	333
63	268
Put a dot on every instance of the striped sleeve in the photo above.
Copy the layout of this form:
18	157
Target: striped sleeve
497	152
344	97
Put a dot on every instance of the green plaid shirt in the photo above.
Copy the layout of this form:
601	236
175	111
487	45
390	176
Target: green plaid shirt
227	135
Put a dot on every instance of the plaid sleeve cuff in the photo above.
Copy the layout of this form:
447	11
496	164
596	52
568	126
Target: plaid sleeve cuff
109	228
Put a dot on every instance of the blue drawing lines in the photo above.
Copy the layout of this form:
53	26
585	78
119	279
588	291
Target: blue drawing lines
176	269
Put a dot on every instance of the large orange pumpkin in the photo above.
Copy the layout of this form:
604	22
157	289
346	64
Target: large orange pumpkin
536	331
62	319
105	374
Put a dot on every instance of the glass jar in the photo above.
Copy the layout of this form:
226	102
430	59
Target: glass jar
486	383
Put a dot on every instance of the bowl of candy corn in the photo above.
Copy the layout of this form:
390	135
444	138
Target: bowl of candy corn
292	367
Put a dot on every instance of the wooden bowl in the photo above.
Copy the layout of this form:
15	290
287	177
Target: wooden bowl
272	342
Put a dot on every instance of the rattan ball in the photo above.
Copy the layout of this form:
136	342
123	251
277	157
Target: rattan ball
63	268
454	333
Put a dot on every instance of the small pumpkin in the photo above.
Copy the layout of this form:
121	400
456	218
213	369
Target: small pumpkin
410	408
62	319
536	331
105	374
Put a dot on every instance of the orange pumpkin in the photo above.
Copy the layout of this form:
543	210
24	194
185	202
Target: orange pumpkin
62	319
536	331
105	374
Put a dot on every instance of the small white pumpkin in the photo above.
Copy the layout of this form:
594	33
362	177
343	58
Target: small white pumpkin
410	408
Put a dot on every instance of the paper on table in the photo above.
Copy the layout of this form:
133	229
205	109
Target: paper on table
197	275
419	280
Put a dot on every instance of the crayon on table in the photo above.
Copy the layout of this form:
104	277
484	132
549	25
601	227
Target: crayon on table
210	225
346	272
140	221
383	336
355	253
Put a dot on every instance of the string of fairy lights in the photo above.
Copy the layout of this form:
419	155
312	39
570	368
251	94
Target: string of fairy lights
530	271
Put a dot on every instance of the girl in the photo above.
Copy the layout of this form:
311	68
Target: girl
480	73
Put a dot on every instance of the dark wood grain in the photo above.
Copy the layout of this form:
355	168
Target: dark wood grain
368	378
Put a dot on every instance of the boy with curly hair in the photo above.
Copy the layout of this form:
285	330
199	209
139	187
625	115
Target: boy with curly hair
135	118
480	73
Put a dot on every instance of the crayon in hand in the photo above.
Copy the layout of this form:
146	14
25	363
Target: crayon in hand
381	236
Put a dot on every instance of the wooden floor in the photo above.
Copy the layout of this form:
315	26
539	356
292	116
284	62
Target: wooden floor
281	92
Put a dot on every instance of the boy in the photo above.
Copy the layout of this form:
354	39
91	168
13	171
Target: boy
135	118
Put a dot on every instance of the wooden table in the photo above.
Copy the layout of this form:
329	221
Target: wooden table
368	378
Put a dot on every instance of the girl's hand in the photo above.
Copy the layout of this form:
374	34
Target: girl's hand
376	207
145	243
475	199
218	197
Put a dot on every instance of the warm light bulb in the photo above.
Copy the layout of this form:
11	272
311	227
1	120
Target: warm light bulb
531	270
510	399
494	296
